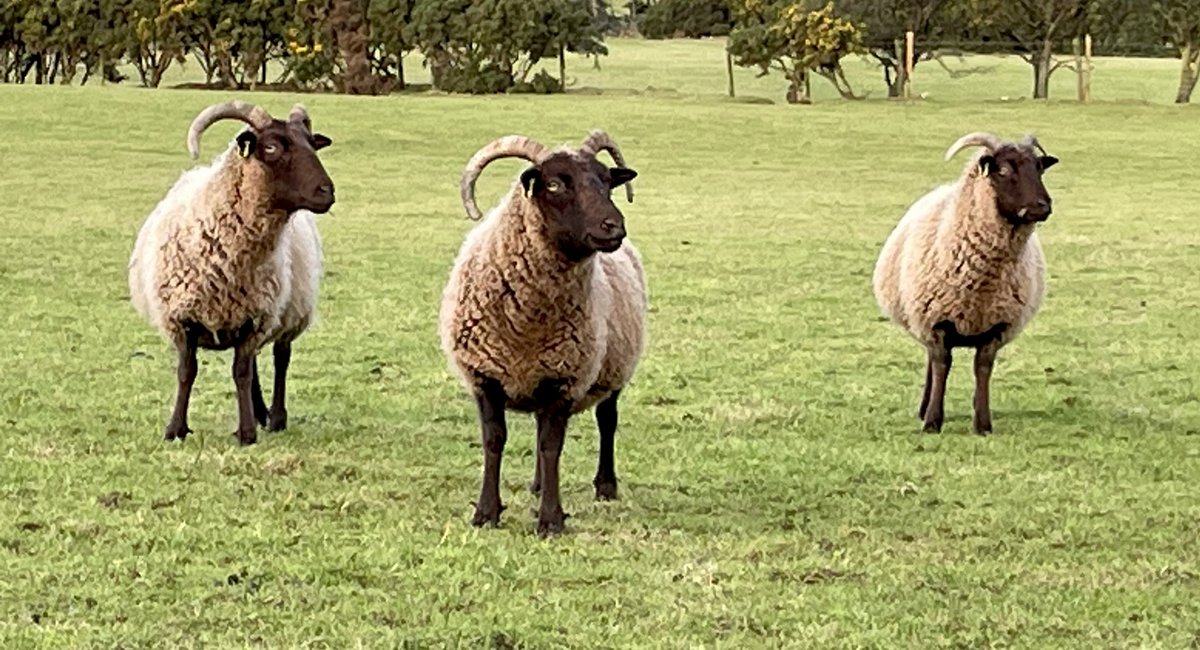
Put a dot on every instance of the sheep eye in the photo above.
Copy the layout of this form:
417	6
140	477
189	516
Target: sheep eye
554	187
1003	171
271	149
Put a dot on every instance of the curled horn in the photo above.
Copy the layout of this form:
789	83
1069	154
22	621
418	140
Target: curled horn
299	115
255	116
1031	141
598	141
977	139
510	146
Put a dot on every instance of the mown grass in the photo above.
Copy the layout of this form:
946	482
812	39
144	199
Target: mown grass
775	492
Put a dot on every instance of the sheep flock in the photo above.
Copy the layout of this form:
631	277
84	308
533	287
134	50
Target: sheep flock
545	307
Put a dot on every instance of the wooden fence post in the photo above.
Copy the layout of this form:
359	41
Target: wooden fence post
909	43
1087	65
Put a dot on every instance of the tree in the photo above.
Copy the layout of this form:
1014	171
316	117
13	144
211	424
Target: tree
1037	28
688	18
1180	23
392	38
487	46
157	35
795	39
349	34
885	23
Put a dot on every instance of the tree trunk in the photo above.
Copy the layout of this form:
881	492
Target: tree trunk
348	27
55	65
1188	73
896	82
799	89
728	71
1042	61
562	68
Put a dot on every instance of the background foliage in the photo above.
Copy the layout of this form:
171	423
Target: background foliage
490	46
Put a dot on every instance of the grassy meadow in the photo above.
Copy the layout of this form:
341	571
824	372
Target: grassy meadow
775	490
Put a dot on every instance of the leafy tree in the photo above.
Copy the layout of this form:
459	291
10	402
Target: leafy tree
487	46
157	35
796	39
392	38
689	18
886	22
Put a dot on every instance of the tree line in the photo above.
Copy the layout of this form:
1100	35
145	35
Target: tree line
806	38
349	46
487	46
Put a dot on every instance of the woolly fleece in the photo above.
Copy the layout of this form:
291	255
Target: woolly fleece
517	311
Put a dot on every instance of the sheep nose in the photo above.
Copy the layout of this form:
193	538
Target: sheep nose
326	189
611	227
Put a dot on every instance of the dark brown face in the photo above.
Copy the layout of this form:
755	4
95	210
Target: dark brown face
289	151
1016	176
574	195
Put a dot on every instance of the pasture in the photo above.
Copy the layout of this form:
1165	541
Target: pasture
775	489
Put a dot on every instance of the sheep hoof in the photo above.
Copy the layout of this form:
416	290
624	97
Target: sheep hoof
606	490
487	516
260	416
277	421
246	437
932	427
983	429
176	432
551	525
535	487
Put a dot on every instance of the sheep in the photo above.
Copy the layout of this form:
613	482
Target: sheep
231	258
545	310
964	268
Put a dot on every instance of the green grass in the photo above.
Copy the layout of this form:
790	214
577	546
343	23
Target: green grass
775	491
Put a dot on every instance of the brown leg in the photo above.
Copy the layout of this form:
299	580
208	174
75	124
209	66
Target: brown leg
925	392
243	381
551	431
940	360
260	406
536	485
282	355
491	403
985	359
185	371
606	474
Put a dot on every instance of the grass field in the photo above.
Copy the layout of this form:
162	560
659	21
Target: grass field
775	492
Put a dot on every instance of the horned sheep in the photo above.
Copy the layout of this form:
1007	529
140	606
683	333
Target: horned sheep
231	257
964	267
545	309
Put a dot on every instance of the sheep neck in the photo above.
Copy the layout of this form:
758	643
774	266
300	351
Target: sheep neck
246	226
548	275
978	226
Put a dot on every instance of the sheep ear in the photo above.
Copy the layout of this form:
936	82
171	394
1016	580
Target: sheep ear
987	165
246	143
1048	162
531	180
320	141
621	176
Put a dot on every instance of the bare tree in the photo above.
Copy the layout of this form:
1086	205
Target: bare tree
1037	28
